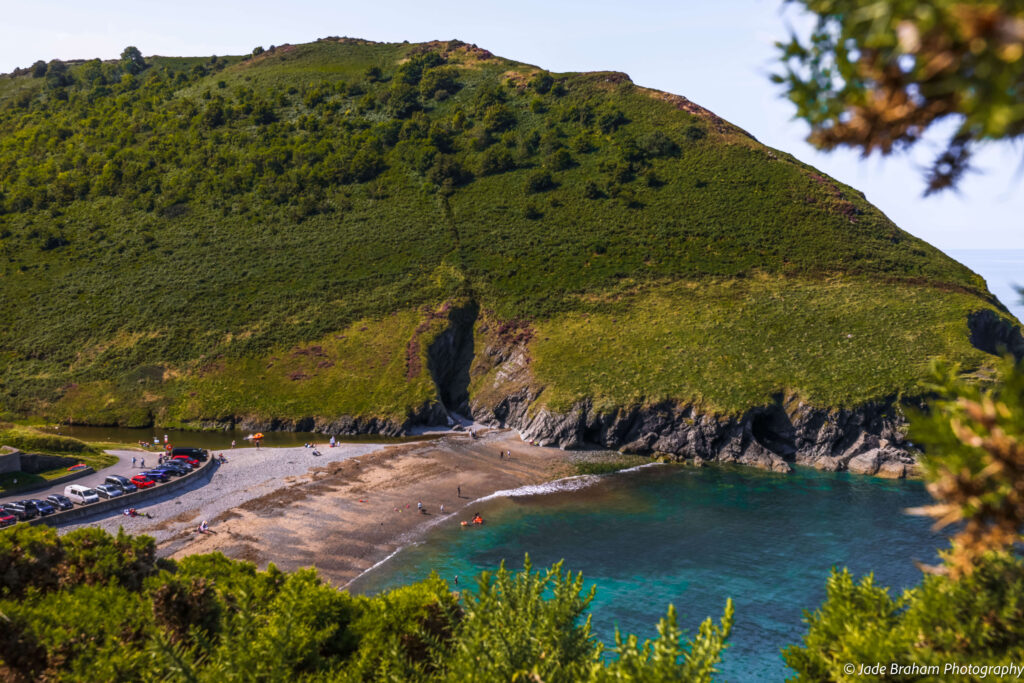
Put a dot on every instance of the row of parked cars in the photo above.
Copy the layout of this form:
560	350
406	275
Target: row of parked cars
181	462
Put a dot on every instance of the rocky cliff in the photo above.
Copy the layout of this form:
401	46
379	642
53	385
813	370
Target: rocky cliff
865	440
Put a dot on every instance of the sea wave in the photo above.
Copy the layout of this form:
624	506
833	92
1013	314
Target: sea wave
558	486
580	481
637	468
370	569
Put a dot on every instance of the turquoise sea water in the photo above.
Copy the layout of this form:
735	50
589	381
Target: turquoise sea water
670	534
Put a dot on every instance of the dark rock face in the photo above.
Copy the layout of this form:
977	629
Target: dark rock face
993	334
450	356
865	440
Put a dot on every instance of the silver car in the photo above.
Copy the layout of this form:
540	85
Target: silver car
108	491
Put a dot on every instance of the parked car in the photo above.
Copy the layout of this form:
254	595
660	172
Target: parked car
123	482
157	475
192	462
200	454
60	502
82	495
109	491
41	506
19	511
142	481
180	464
171	470
7	520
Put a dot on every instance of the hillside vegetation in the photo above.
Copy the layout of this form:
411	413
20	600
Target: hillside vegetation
280	236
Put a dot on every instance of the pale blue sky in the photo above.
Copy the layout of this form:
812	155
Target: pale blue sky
718	54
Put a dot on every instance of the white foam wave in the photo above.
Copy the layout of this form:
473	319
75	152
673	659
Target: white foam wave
639	467
559	485
370	569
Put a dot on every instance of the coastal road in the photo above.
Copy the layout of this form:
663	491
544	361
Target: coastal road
122	467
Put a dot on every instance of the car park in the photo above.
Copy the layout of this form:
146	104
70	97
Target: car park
7	520
200	454
60	502
83	495
156	475
123	482
142	481
108	491
19	511
41	506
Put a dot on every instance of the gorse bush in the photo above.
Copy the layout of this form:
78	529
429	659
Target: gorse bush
208	618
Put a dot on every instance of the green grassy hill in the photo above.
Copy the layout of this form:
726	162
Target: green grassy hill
289	235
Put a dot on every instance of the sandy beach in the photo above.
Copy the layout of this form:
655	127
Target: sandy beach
344	511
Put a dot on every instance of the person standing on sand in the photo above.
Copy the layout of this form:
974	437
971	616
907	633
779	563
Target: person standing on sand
442	508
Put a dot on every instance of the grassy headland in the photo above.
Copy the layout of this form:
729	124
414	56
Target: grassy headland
274	235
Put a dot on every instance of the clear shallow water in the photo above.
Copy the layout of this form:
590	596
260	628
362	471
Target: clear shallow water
690	537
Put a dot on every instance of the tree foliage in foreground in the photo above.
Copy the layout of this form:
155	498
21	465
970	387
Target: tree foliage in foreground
875	75
969	610
90	606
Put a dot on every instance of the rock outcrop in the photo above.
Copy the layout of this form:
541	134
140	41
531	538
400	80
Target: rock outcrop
865	440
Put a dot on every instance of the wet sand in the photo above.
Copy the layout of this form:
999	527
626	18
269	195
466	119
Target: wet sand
347	510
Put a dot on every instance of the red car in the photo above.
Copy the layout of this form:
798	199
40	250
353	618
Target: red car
142	482
7	520
184	458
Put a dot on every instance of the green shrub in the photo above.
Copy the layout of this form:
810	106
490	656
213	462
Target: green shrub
208	617
539	181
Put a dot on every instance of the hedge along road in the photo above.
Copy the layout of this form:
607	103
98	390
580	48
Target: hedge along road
194	479
122	467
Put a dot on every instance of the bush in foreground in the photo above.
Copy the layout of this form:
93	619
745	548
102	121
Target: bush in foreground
90	606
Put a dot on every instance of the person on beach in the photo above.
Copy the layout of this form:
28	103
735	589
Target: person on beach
442	508
204	528
419	506
332	441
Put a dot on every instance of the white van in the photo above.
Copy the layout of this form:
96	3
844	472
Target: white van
81	494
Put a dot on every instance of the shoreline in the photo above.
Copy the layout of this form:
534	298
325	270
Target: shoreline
345	512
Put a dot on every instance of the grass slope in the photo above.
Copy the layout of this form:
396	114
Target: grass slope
273	236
